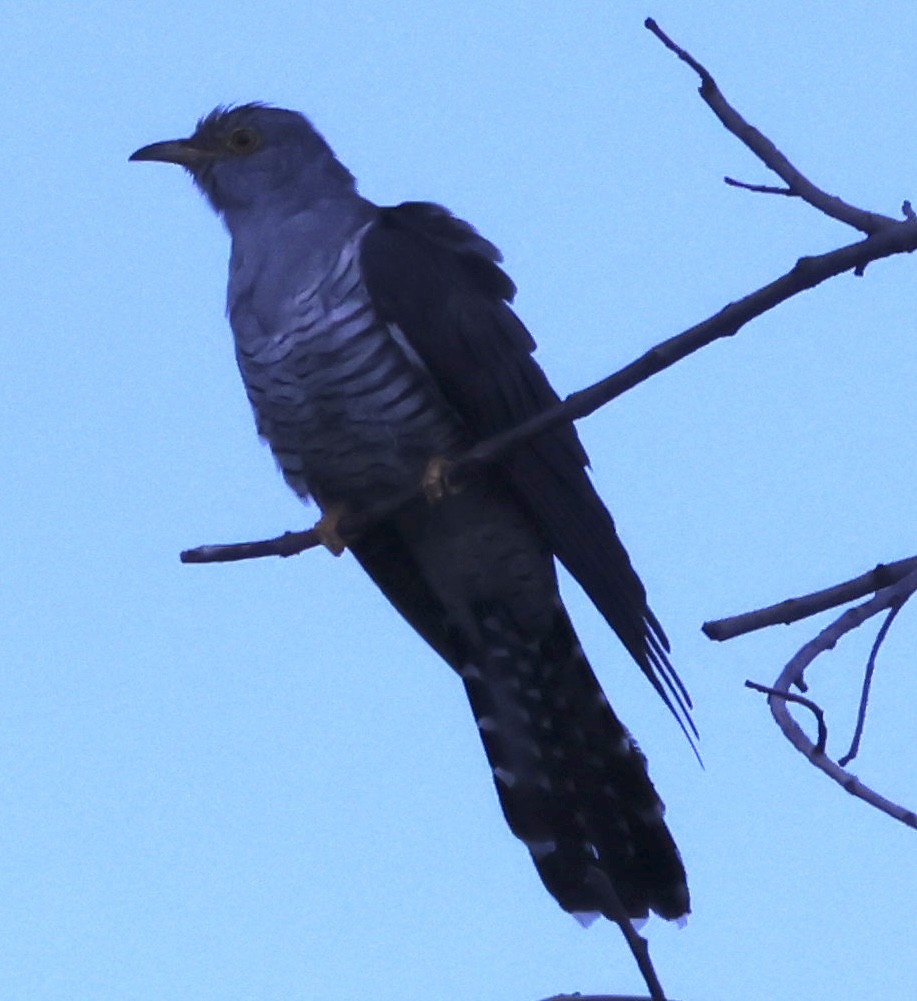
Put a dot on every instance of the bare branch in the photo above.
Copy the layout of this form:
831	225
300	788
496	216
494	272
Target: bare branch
792	674
767	152
808	272
794	609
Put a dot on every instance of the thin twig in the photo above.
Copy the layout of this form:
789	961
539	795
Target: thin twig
639	947
767	152
794	609
867	685
801	700
763	189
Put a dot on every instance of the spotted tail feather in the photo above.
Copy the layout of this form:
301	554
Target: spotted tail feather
572	782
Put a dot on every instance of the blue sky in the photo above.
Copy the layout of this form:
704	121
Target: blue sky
252	781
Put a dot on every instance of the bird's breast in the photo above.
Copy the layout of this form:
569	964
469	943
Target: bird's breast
347	411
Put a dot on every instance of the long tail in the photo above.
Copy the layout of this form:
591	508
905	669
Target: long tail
572	782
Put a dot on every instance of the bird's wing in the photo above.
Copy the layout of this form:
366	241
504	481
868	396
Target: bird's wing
438	281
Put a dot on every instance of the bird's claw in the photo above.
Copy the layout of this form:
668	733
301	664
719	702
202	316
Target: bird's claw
435	481
326	528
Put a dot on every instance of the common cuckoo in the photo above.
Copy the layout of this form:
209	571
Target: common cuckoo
375	343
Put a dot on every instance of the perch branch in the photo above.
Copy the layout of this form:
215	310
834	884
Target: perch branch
805	274
885	237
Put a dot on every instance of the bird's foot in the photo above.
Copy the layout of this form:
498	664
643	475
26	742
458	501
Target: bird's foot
435	480
326	528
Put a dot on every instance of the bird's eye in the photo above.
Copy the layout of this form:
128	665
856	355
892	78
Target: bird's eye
243	140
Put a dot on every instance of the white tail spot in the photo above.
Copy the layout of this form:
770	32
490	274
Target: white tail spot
540	849
586	918
505	776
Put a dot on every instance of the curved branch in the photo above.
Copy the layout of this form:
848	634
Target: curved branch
799	700
793	673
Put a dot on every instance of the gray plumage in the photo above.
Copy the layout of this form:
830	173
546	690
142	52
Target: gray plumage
373	340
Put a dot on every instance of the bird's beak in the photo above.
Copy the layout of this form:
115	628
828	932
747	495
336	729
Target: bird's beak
180	151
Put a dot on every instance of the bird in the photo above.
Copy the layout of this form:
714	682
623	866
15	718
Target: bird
376	344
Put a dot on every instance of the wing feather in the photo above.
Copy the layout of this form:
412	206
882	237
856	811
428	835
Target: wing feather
440	282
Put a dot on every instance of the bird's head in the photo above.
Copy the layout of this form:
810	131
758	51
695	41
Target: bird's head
252	153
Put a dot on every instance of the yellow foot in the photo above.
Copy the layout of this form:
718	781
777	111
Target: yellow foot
435	481
326	528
